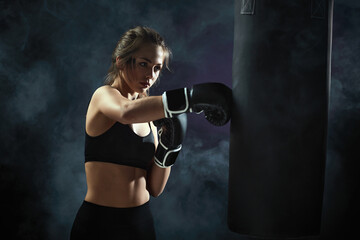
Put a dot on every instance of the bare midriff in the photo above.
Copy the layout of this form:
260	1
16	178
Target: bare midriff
114	185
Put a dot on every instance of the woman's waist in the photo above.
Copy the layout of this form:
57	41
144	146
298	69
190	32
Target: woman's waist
115	185
117	196
111	171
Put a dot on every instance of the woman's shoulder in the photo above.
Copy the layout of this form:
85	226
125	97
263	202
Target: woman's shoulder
107	95
104	90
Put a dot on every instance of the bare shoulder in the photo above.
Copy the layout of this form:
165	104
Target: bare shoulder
105	90
98	97
106	93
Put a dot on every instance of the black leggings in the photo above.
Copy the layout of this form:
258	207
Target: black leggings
94	222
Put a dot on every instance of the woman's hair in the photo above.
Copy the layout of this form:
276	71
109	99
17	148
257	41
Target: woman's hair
128	44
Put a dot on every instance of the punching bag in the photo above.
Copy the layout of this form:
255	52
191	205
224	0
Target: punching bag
281	79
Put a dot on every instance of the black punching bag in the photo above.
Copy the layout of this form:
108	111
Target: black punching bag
281	79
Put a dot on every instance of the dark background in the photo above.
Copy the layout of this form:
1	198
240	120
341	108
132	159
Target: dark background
54	54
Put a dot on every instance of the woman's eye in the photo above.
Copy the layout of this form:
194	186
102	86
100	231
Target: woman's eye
157	68
143	64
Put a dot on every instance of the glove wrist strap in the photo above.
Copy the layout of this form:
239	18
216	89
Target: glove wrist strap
165	157
175	102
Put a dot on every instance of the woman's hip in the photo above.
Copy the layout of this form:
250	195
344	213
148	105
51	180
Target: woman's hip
94	221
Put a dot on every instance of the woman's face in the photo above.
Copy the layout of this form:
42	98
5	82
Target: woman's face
148	64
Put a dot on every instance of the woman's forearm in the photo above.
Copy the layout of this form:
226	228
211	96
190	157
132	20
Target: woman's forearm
156	180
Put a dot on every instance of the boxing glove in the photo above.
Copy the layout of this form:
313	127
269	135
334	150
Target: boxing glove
171	133
214	99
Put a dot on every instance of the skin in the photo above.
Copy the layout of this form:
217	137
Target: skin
117	185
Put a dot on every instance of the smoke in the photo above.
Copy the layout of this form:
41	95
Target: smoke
34	91
70	187
195	198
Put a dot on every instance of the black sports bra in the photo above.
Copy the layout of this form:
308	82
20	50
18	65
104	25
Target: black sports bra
122	146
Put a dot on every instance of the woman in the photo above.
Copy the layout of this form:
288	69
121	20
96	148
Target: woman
122	162
121	141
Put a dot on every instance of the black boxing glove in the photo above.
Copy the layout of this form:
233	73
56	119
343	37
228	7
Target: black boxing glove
171	134
214	99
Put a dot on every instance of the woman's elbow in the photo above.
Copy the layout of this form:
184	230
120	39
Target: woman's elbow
155	192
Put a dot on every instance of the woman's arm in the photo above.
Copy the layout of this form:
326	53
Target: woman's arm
112	104
156	177
156	180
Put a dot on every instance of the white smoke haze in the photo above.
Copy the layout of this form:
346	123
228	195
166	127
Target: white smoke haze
195	198
68	177
35	89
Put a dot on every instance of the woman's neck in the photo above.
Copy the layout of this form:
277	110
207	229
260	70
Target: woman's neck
124	89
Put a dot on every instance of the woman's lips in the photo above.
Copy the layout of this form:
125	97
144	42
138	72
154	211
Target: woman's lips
145	84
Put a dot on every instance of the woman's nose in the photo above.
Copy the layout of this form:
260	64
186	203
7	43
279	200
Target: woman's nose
150	73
